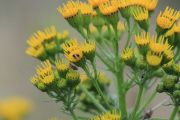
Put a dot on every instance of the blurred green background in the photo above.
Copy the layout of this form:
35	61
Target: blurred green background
18	20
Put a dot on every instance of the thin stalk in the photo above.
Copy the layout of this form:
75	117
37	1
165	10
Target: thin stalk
73	115
173	114
129	33
153	95
93	99
136	107
96	85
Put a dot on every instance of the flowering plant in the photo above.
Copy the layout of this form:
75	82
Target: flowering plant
70	73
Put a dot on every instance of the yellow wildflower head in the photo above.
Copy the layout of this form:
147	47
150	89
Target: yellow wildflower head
62	66
72	51
140	14
177	27
45	73
169	53
154	59
63	36
96	3
159	45
69	45
70	9
50	33
142	39
85	9
108	8
170	32
149	4
73	77
121	26
108	116
36	39
89	48
37	52
166	19
127	54
103	79
15	108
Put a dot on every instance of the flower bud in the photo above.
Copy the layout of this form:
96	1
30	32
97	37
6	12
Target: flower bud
73	78
160	87
169	82
62	83
41	86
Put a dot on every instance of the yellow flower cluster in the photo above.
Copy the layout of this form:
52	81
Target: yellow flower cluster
45	74
166	19
71	9
157	48
14	108
140	14
44	41
108	116
76	52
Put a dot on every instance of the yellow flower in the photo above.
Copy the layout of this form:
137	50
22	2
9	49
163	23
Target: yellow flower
72	50
159	45
108	116
89	48
64	35
61	65
121	26
37	52
153	59
70	9
72	74
15	108
142	39
45	73
124	3
85	9
84	77
69	45
108	8
75	55
140	14
36	39
170	32
149	4
169	53
103	79
96	3
50	33
166	19
177	27
127	54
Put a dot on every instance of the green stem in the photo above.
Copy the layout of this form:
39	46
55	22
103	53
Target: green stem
96	85
129	33
93	99
148	101
135	109
120	81
73	115
173	114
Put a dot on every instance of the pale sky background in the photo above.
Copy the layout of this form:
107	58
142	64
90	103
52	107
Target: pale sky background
18	20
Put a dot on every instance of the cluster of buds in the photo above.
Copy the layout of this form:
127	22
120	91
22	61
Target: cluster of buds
45	43
59	83
152	51
86	103
170	85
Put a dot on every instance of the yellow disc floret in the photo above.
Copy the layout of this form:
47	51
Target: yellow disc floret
127	54
96	3
108	8
159	45
61	65
140	14
153	59
70	9
142	39
166	19
45	73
